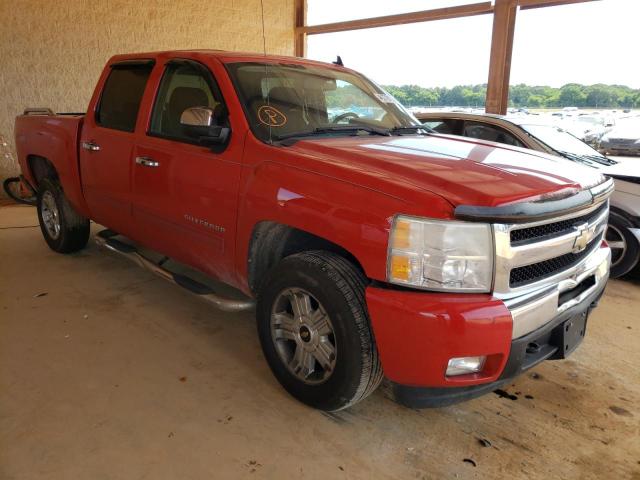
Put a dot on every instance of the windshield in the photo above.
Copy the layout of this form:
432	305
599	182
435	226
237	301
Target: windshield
287	100
591	120
560	140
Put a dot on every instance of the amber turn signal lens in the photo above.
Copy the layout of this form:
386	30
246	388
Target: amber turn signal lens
400	267
401	234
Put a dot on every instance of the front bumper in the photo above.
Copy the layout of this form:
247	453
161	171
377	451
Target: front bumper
417	333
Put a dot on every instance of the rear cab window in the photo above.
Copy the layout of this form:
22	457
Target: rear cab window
122	94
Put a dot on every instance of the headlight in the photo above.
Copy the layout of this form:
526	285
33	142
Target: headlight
440	255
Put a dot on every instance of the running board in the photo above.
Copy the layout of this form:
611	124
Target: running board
106	239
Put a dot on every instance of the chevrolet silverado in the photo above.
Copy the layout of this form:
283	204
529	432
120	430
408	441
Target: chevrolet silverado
368	245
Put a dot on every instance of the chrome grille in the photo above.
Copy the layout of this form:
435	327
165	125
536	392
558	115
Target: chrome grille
538	271
543	253
523	235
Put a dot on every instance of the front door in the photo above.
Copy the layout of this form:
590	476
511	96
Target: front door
107	142
184	194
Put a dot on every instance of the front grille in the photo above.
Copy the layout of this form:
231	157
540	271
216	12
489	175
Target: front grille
532	273
550	230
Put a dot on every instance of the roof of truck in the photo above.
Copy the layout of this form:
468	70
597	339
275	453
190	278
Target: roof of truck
222	55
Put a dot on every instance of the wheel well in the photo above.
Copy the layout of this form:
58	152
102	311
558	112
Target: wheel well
634	221
271	242
41	168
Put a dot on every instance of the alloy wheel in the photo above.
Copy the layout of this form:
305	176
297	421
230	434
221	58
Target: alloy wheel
303	335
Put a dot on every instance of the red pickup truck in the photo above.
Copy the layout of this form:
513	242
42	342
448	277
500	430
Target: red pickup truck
373	246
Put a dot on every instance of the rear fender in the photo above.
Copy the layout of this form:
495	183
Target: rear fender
48	146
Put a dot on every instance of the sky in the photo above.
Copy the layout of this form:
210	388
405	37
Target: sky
594	42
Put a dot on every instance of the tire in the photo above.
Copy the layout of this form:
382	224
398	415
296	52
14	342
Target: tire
335	290
625	250
64	230
15	196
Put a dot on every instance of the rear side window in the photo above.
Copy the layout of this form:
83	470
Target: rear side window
121	96
447	126
490	132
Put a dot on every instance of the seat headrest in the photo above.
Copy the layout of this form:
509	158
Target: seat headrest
187	97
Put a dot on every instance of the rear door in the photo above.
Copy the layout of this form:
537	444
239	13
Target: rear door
184	194
107	141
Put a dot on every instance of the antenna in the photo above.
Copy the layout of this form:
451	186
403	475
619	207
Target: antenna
266	70
338	61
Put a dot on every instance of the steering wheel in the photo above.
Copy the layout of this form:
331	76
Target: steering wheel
344	116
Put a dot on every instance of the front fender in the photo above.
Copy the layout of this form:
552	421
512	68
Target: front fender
353	217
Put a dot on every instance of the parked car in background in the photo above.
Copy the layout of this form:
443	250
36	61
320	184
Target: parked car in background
588	128
623	232
622	140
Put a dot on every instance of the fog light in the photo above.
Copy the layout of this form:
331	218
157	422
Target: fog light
465	365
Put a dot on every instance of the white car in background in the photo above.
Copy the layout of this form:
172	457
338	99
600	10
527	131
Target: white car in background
623	232
588	128
624	139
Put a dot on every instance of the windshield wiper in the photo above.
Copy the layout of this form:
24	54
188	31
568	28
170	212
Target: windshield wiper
587	159
577	158
351	129
602	159
413	128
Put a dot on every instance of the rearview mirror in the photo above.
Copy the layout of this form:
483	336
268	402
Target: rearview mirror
202	123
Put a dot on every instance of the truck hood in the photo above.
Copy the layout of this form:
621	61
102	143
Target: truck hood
462	171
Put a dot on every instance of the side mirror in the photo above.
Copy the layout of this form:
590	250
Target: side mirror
202	123
197	117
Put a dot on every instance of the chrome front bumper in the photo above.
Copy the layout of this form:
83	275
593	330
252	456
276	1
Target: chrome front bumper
536	308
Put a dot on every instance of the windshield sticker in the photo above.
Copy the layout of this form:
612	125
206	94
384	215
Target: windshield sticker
383	97
271	117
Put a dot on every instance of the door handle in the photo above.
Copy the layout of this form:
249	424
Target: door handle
147	162
91	146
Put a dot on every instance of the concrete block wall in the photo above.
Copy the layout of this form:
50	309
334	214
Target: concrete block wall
53	51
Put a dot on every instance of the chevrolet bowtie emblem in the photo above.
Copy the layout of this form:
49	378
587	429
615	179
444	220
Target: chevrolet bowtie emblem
583	238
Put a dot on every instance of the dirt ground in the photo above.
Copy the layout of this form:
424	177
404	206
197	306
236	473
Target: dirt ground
107	372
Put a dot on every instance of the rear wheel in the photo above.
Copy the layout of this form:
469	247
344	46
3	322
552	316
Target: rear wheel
625	250
64	230
314	330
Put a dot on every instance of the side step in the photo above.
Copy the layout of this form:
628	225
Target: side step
106	239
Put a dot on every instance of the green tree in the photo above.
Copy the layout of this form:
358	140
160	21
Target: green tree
572	95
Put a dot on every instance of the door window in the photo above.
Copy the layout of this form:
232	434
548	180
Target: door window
122	94
447	126
491	133
184	85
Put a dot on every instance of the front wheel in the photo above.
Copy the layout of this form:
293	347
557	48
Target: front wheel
64	230
625	250
314	330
